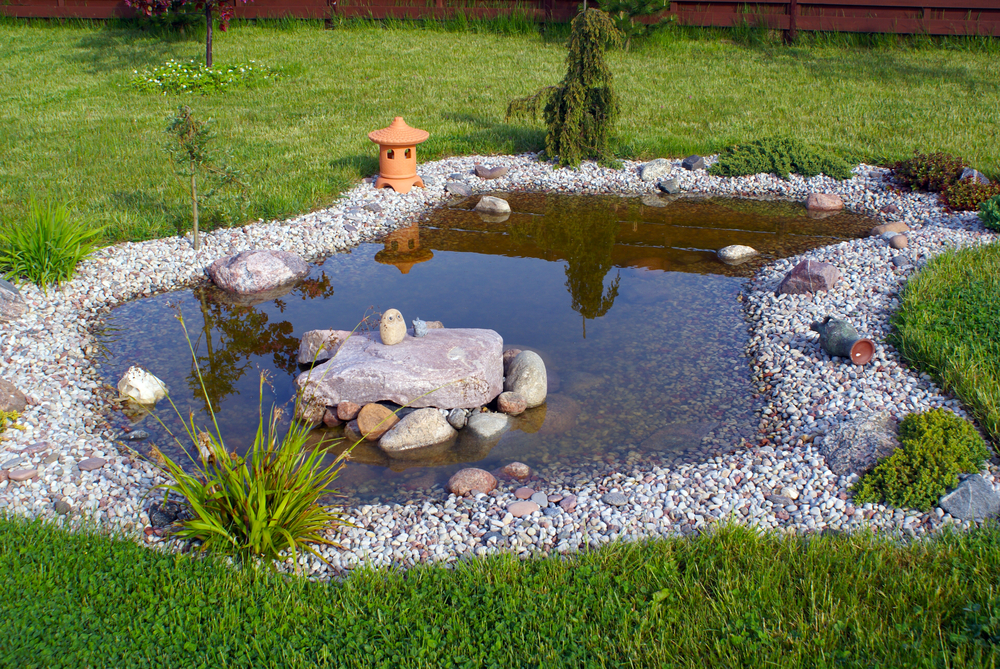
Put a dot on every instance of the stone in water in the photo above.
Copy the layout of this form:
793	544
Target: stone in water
392	328
736	254
140	386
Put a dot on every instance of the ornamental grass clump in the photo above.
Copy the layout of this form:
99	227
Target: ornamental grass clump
260	506
47	247
780	156
936	446
581	111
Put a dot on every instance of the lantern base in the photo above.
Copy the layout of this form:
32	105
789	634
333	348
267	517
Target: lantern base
397	184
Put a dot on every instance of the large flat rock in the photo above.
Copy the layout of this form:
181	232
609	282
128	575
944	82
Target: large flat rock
446	368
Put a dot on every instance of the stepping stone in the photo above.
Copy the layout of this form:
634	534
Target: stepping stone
90	464
23	474
524	493
521	509
615	499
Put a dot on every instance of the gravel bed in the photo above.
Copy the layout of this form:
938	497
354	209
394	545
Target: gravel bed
780	483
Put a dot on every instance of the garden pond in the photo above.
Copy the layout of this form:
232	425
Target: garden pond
640	325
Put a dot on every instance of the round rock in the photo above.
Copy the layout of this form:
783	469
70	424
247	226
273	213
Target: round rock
493	206
541	499
517	470
348	411
511	403
374	420
392	328
899	242
736	254
464	481
423	427
486	426
615	499
257	271
526	377
523	508
524	493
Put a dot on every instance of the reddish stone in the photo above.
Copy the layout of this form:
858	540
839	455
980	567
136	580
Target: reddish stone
509	355
517	470
330	418
22	474
348	410
824	202
90	464
374	420
568	503
899	242
809	276
521	509
466	480
511	403
524	493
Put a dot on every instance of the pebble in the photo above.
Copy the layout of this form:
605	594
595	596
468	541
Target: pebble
524	493
615	499
45	354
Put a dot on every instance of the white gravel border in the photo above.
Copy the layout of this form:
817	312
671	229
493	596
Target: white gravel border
44	354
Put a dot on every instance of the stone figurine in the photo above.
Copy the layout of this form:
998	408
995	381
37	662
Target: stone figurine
419	327
392	328
838	337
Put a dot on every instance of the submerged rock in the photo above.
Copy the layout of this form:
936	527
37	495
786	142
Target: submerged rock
140	386
736	254
526	377
464	481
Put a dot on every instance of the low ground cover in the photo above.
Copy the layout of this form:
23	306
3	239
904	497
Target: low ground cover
92	140
730	598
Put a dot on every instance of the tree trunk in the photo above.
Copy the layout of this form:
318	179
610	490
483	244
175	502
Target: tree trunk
194	210
208	35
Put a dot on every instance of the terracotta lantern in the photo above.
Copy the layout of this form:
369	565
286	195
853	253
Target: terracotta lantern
397	155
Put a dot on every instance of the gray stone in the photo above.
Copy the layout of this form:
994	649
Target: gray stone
670	186
780	500
424	427
809	276
458	188
487	426
457	418
857	444
655	170
494	206
13	462
164	513
464	481
973	499
541	499
615	499
256	271
12	304
135	435
551	511
736	254
484	172
419	327
694	162
448	368
320	345
970	174
374	207
526	377
456	175
901	261
11	399
63	507
491	536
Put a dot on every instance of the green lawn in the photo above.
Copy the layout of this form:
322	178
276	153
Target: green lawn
730	599
73	130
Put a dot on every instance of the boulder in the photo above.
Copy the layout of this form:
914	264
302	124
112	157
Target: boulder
487	426
736	254
526	377
484	172
11	399
458	188
424	427
899	242
824	202
809	276
858	443
655	170
975	176
694	162
140	386
320	345
511	404
447	368
493	206
12	305
256	271
973	499
374	420
895	226
466	480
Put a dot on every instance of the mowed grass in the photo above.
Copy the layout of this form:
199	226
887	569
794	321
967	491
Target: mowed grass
948	324
727	599
72	130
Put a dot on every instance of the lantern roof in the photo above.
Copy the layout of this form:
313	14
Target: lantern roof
398	134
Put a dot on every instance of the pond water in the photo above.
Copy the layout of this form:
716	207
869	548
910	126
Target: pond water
640	326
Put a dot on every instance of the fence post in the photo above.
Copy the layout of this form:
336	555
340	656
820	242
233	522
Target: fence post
793	28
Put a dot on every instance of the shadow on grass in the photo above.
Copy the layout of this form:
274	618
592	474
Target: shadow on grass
121	47
484	136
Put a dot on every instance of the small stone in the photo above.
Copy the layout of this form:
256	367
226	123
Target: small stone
491	536
511	403
973	499
899	242
551	511
790	492
50	459
487	426
374	420
541	499
655	170
694	162
615	499
374	207
670	186
136	435
901	261
13	462
140	386
22	474
419	328
457	418
554	499
736	254
517	471
63	507
347	411
524	493
11	399
896	226
824	202
464	481
890	209
508	356
970	174
423	427
494	206
458	188
568	503
392	328
90	464
521	509
484	172
330	418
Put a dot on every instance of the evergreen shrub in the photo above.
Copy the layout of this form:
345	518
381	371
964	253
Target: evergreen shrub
989	213
935	447
780	156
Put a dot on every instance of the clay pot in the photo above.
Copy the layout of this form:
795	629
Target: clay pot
839	338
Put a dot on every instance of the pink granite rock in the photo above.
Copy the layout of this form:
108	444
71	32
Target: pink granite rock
90	464
824	202
523	508
466	480
809	276
22	474
348	411
524	492
257	271
320	345
511	403
518	471
446	368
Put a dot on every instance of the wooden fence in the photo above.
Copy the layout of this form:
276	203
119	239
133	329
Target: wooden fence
932	17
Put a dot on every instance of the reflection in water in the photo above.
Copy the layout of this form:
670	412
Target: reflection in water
658	370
